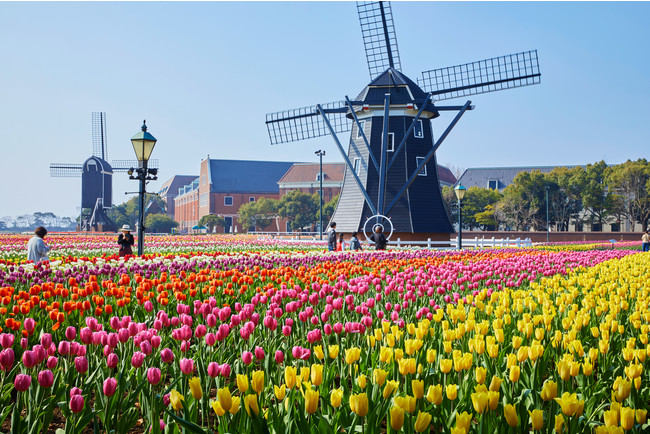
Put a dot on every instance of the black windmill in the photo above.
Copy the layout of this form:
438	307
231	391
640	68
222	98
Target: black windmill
96	179
391	176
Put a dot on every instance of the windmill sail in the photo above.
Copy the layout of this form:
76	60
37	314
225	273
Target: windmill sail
379	40
306	123
66	170
100	147
489	75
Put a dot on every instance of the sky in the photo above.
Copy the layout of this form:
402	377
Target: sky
205	74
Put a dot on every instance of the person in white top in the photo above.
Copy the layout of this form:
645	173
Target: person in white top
36	247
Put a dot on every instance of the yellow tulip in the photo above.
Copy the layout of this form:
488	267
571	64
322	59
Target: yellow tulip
564	369
463	421
610	417
641	415
335	397
361	381
359	404
218	409
422	422
510	412
257	382
493	350
622	389
385	354
379	376
514	373
495	384
445	365
511	360
569	403
390	388
318	352
549	390
434	394
250	403
480	373
317	374
333	351
522	354
407	366
587	368
627	418
225	399
195	388
304	374
479	401
493	399
431	356
280	392
290	377
235	405
175	399
537	419
410	402
242	383
352	355
452	391
559	423
418	388
456	430
311	401
396	417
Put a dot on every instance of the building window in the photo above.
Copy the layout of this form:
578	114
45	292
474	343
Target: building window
288	227
204	200
318	176
228	226
417	129
390	146
418	161
357	166
362	125
227	200
493	184
251	199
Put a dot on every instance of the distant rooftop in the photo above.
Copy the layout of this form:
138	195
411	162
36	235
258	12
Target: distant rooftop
498	177
246	176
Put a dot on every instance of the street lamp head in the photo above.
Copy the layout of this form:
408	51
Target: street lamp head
460	191
143	143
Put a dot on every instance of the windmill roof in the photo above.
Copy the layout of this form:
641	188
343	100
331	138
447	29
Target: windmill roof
480	176
308	172
244	176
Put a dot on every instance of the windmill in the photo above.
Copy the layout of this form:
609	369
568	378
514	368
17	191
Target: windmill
391	176
96	179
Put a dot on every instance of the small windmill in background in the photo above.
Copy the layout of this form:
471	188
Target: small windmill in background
96	179
391	176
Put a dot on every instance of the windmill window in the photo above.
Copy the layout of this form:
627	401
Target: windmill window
362	125
417	129
251	199
390	146
418	161
227	200
357	165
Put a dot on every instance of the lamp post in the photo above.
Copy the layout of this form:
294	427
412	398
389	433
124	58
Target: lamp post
320	153
460	193
143	144
548	224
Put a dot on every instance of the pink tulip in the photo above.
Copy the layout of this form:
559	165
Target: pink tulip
213	369
29	325
86	335
259	353
111	361
76	403
45	378
81	364
110	385
279	356
210	339
153	376
29	359
7	340
22	382
166	355
70	333
225	370
247	357
137	360
51	362
187	366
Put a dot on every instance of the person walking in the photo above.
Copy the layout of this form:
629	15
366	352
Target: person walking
354	242
379	238
36	247
646	242
331	237
340	245
125	240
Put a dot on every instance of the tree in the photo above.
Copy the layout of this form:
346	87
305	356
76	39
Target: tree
328	209
487	219
128	213
159	223
299	208
211	221
630	183
258	214
564	195
475	202
597	198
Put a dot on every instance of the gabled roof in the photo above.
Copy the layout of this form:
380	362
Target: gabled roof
480	176
445	175
245	176
172	185
308	172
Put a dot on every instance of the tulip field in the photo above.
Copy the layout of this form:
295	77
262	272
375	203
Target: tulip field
216	334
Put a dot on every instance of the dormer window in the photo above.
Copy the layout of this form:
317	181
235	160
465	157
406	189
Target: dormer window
318	176
493	184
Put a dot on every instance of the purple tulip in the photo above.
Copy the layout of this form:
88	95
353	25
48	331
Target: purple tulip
81	364
76	403
29	359
22	382
51	362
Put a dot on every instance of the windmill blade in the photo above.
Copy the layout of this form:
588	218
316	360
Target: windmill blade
379	40
125	165
306	123
489	75
64	170
100	147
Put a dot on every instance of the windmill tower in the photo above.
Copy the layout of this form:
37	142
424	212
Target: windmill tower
391	176
96	179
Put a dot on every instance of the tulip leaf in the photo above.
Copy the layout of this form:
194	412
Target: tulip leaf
192	427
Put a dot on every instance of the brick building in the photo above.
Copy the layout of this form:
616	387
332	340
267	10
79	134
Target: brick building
169	190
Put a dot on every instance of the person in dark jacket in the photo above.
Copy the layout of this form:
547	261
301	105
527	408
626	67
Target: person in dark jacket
331	237
379	238
125	240
354	242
